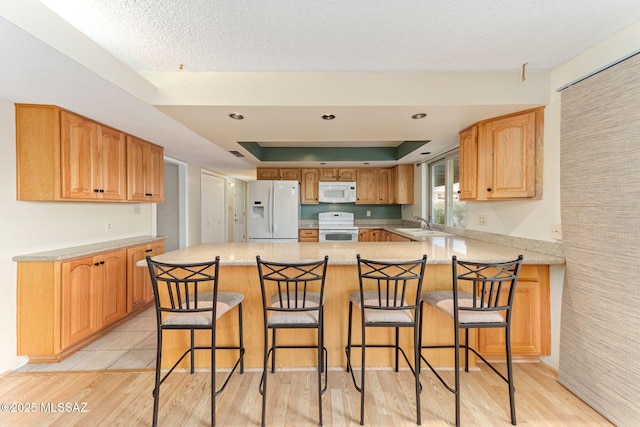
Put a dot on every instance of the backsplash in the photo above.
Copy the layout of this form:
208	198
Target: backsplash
310	212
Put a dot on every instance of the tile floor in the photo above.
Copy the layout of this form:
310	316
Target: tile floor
131	345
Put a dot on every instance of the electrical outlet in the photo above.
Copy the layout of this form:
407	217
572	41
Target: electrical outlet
482	220
108	226
556	232
368	213
136	209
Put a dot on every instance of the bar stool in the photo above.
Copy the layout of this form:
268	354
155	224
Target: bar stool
293	298
187	298
486	302
389	297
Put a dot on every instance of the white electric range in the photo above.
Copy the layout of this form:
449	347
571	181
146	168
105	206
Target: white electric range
337	227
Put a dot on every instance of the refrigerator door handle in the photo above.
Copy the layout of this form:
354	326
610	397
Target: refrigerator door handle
270	210
272	203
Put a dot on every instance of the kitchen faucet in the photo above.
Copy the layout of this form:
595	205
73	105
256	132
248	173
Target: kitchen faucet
427	222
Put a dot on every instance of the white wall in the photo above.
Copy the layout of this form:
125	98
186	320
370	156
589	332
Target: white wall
28	227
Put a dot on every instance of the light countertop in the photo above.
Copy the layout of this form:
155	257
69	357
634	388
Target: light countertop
439	250
85	250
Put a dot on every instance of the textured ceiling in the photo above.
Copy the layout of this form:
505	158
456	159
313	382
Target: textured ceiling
171	72
346	36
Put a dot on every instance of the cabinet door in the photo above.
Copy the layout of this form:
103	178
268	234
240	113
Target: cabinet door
510	150
110	282
328	174
469	163
309	186
290	174
266	173
386	186
111	172
154	173
77	301
135	169
367	186
145	171
157	248
393	237
530	323
405	184
346	174
139	291
79	155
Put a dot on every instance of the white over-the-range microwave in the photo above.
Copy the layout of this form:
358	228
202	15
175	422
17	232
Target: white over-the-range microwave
337	192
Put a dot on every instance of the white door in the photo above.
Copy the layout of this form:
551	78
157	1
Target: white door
239	211
213	201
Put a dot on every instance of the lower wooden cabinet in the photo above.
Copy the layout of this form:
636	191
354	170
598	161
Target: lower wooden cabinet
64	305
531	321
139	291
93	295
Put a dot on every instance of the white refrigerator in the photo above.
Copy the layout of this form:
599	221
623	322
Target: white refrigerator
274	210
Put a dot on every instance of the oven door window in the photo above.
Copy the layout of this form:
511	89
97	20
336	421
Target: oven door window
339	236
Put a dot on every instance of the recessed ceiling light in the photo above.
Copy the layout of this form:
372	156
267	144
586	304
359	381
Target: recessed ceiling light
236	116
419	116
328	117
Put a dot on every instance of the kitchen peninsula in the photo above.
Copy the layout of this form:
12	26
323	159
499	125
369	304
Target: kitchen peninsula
238	272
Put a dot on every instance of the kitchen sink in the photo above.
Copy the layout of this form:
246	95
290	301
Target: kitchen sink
421	232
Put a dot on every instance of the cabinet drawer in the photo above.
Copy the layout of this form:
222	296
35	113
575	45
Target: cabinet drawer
308	235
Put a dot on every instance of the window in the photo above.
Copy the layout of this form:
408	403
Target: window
445	207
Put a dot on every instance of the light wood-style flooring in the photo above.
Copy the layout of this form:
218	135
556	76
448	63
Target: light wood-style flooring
123	398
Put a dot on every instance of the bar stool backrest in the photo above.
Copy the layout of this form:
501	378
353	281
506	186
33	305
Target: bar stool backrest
485	287
185	288
391	285
292	287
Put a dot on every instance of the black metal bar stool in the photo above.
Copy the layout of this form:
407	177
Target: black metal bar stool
389	297
187	298
293	298
482	297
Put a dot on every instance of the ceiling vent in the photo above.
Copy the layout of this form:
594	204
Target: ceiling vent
236	153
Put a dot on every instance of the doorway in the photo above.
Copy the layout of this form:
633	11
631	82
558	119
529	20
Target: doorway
171	214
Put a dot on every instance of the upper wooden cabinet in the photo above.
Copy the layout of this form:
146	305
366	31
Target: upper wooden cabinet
385	185
367	186
145	169
374	186
501	159
63	156
289	174
309	186
337	174
469	163
92	160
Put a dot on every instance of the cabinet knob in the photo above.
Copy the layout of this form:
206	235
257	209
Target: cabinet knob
96	264
149	250
459	191
489	189
95	190
148	194
101	190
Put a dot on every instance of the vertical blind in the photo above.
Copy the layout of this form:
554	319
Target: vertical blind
600	206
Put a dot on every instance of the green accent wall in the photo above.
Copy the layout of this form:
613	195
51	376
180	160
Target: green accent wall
331	154
310	212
